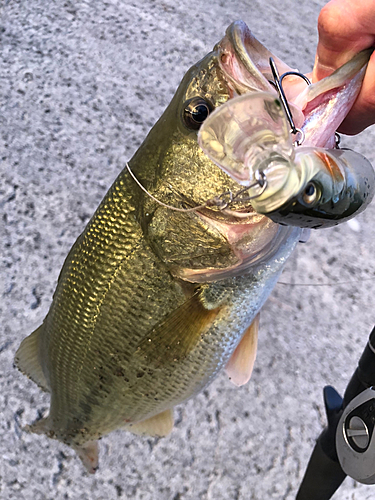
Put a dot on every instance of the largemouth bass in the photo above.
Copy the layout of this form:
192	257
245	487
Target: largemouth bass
153	301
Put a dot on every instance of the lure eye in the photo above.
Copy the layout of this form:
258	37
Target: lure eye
310	194
195	112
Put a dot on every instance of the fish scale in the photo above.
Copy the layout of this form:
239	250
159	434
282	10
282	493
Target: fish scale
120	276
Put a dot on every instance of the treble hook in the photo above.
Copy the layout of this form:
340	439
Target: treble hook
278	83
260	180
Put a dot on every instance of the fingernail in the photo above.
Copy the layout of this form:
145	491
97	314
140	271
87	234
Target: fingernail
321	70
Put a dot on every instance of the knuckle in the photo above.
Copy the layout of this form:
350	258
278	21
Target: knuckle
329	20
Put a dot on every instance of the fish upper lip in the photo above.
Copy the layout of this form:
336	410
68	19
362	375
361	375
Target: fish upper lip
244	60
238	67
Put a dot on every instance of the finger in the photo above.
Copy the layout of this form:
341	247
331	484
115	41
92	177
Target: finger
345	28
362	114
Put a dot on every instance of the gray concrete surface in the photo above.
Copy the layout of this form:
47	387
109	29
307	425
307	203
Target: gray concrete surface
81	83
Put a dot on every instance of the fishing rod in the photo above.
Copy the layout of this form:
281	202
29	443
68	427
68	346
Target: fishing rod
346	447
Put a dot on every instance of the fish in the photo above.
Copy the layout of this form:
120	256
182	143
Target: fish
292	182
163	288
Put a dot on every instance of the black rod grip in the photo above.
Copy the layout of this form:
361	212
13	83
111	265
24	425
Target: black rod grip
364	376
324	474
322	478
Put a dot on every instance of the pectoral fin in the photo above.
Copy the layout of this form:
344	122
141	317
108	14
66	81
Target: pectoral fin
159	425
241	363
27	359
174	337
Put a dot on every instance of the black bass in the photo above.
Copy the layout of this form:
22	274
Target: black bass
163	287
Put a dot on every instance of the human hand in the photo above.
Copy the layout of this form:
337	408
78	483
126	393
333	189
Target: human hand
345	28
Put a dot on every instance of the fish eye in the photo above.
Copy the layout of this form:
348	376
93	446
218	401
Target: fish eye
195	112
310	194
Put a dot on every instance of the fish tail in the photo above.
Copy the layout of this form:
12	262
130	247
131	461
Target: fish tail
87	452
89	455
40	427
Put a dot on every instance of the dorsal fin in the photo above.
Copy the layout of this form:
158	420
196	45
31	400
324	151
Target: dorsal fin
240	365
28	362
158	425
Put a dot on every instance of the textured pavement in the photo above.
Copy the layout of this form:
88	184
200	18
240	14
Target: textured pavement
81	83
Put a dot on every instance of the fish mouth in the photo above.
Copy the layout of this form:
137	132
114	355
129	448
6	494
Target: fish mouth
317	111
245	61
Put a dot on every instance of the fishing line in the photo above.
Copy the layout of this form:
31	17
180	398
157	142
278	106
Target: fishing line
160	202
326	284
218	201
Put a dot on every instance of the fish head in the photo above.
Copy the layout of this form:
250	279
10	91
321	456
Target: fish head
207	240
249	137
170	162
174	164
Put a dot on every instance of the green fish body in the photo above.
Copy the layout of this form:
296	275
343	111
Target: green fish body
152	302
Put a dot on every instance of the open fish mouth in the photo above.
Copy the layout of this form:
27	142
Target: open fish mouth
318	108
245	61
253	136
